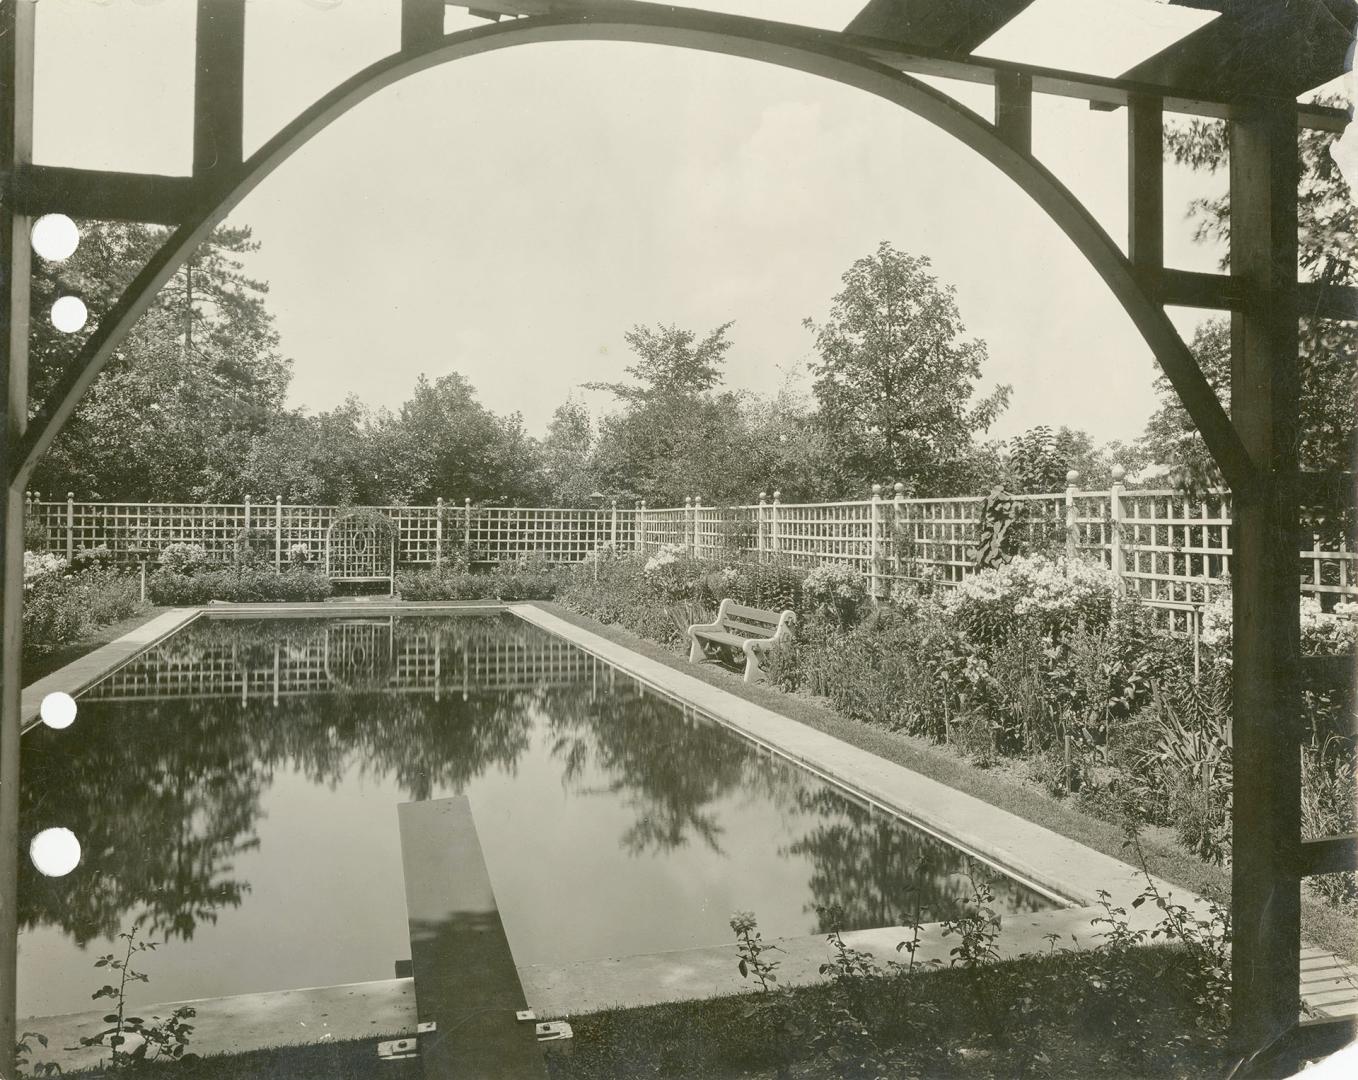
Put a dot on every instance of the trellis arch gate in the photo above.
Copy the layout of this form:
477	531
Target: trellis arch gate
1255	447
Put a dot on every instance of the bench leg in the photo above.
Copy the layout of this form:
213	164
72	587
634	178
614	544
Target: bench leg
696	653
753	672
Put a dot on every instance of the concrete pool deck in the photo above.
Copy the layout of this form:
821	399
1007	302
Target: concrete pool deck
1019	848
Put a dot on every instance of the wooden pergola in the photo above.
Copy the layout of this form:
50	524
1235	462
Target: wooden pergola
1247	67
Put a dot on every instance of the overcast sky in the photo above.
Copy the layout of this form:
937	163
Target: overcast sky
510	216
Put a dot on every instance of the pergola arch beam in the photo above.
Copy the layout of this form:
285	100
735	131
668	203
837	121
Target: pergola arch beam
1003	146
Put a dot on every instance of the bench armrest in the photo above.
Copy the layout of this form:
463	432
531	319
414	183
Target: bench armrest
714	627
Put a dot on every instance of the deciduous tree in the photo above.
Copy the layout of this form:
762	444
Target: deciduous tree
896	376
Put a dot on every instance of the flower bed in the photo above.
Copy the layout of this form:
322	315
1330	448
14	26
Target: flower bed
1038	663
66	601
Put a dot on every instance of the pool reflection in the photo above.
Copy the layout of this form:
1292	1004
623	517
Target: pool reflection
246	765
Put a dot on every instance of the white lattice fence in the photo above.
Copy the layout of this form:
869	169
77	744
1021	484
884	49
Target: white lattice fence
1169	549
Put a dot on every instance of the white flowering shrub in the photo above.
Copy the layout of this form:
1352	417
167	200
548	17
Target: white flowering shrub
39	565
666	556
183	558
1055	595
299	554
836	592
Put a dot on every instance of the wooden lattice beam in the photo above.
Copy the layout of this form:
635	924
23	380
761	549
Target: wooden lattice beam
1258	45
957	26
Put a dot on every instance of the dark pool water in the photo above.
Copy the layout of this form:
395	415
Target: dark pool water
235	792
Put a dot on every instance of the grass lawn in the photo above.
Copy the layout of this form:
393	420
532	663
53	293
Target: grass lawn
1327	927
352	1060
36	665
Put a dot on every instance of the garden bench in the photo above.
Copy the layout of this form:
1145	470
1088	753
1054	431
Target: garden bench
742	630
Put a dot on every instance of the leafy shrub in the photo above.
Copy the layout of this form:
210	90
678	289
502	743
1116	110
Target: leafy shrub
523	579
54	612
59	609
238	585
92	558
775	586
183	558
254	547
836	594
35	534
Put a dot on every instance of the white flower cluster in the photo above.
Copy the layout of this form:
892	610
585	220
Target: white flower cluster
1037	585
667	555
40	565
299	553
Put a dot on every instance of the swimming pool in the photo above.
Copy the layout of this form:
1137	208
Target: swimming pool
235	791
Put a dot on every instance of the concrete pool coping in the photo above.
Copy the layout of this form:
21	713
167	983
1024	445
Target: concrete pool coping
1019	848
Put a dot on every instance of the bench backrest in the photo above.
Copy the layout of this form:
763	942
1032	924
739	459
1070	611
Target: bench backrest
750	620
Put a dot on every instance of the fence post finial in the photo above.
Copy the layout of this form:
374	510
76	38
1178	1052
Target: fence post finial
467	528
278	533
773	524
70	525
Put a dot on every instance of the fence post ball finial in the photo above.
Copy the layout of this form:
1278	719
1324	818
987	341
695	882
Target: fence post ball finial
899	488
1072	476
688	500
467	501
1119	474
876	490
763	495
777	495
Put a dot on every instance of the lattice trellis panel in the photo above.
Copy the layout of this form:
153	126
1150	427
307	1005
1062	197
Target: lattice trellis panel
809	534
1169	549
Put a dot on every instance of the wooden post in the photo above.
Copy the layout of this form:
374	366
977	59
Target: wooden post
1146	183
688	523
1115	526
761	547
16	258
278	533
219	87
613	525
773	524
70	525
438	532
1265	377
641	526
697	527
1071	530
467	529
875	543
247	512
1014	108
899	523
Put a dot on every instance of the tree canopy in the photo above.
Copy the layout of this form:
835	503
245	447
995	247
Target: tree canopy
895	378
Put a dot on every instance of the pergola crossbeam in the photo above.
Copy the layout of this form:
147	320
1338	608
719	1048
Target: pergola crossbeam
105	196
